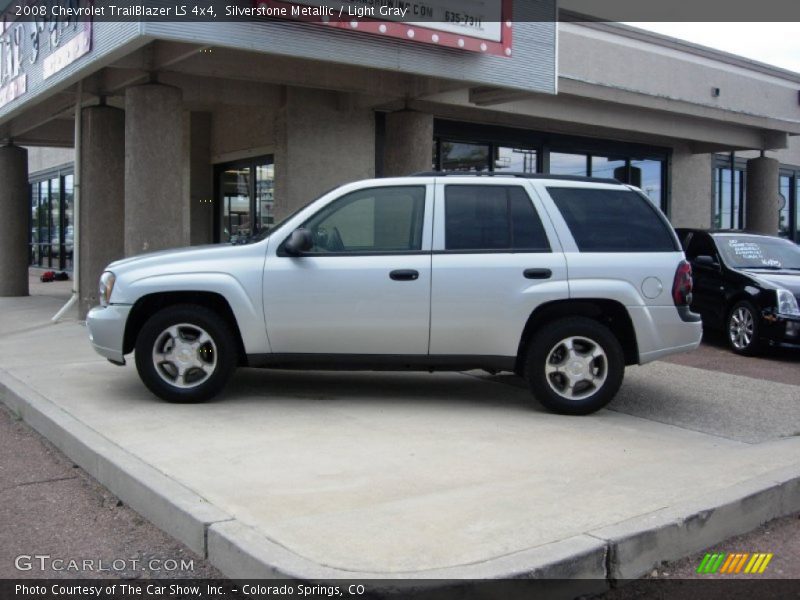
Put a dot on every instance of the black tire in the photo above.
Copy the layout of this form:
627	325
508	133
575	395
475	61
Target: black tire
602	374
218	356
743	338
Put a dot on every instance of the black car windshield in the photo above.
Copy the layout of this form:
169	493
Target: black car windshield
755	252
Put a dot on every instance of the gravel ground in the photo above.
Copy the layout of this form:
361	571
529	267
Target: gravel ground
50	506
775	364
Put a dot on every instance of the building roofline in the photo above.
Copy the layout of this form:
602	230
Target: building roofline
674	43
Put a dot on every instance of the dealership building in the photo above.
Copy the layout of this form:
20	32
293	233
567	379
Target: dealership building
169	133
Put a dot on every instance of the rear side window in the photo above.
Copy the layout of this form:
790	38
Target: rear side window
606	220
492	217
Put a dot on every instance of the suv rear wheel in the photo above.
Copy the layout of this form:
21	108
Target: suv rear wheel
185	353
574	366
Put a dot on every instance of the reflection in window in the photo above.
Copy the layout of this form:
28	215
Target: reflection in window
69	223
647	175
235	184
460	156
728	197
265	199
797	206
515	160
784	208
246	192
568	164
612	168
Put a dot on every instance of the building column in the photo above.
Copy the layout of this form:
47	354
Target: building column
199	176
15	209
102	198
408	145
762	201
322	139
156	210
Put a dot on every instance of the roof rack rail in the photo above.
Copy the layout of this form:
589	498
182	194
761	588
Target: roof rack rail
514	174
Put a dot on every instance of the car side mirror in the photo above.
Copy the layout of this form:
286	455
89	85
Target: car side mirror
299	241
706	261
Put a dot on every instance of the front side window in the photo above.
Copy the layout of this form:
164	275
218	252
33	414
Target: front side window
382	219
492	217
612	220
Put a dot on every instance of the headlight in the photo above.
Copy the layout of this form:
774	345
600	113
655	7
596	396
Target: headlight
107	280
787	303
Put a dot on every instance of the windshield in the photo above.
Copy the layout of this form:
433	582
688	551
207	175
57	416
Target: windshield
754	252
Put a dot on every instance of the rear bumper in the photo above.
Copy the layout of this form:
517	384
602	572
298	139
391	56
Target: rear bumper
661	330
106	327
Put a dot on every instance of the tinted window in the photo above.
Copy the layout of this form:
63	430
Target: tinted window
382	219
612	220
492	217
700	245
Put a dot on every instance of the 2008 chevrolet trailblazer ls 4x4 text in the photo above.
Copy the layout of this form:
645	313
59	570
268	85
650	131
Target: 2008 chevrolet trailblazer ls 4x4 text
563	280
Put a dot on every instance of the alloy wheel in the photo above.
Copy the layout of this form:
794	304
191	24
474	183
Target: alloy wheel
576	367
184	355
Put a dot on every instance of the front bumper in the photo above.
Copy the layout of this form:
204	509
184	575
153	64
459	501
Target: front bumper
780	329
106	327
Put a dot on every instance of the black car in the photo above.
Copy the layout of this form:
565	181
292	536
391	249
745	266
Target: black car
746	285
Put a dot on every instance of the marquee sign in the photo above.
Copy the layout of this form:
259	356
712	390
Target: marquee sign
483	26
34	50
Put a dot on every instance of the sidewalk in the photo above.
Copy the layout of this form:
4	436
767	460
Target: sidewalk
410	475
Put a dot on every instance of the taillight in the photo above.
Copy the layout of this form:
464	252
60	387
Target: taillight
682	285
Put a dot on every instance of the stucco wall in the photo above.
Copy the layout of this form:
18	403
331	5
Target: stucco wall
788	156
322	140
620	61
691	189
41	158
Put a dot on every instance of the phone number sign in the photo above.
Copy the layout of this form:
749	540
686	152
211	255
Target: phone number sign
483	26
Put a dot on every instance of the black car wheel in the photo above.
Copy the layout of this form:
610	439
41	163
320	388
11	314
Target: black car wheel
185	353
742	329
574	366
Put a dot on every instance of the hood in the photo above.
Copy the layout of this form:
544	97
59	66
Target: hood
174	256
789	280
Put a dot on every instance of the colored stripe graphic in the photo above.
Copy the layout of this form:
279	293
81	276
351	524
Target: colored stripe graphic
734	563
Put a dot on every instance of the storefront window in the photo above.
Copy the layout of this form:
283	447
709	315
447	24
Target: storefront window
728	197
613	168
797	206
44	223
460	156
69	223
245	200
52	227
473	147
784	208
515	160
265	182
647	175
569	164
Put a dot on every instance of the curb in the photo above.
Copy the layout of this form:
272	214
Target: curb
593	561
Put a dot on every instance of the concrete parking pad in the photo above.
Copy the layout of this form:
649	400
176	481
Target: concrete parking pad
421	474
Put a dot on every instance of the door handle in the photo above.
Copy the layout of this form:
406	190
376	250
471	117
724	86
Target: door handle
404	275
537	273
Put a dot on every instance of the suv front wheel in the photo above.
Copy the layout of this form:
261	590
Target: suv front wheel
574	366
185	353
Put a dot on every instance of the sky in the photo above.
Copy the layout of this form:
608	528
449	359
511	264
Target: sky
777	44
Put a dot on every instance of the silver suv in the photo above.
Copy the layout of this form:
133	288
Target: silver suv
562	280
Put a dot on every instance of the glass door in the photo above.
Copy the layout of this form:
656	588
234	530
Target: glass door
244	199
